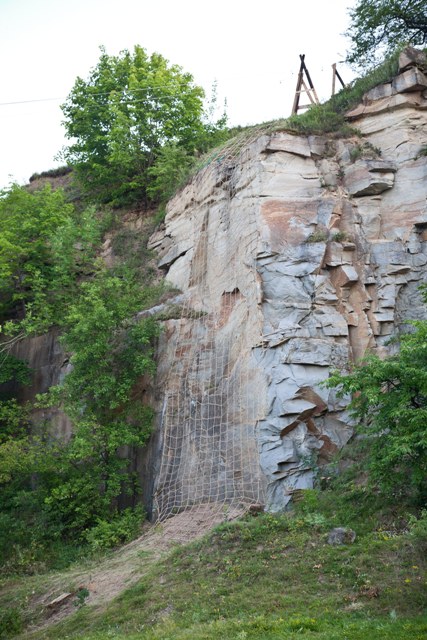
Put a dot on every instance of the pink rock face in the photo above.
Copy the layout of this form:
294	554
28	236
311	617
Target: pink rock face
288	220
291	263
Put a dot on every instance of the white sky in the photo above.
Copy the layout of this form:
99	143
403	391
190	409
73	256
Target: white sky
251	47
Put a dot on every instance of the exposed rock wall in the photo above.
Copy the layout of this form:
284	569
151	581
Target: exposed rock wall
294	256
48	365
211	391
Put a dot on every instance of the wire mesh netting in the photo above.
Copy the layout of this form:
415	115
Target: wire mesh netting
213	392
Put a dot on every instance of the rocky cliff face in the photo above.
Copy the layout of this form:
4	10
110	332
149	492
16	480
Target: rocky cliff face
294	255
48	365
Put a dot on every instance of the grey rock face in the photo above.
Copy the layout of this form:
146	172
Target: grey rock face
411	57
368	178
286	274
48	365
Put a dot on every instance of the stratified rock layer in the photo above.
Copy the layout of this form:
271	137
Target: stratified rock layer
295	256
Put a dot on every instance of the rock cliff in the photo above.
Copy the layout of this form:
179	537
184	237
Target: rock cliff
294	255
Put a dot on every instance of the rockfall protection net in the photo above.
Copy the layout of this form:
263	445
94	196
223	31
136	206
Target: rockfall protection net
209	454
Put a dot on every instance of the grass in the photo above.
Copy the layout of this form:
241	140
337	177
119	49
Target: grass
274	577
365	150
279	628
317	236
57	172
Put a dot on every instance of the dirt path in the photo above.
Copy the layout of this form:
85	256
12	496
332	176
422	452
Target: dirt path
129	564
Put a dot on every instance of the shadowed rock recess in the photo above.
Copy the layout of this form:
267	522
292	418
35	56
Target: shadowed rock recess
294	255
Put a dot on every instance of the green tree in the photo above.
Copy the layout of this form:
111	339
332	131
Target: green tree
389	404
68	489
28	221
46	245
111	351
378	27
123	114
169	172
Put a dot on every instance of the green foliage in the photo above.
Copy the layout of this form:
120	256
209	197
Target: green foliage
27	224
81	597
169	172
110	353
340	236
55	489
58	172
389	401
317	236
13	369
29	467
11	623
418	530
131	106
320	118
377	27
365	150
111	533
45	245
34	491
110	350
14	419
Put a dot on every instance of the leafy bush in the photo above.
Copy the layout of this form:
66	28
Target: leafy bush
169	172
27	224
418	530
125	526
12	369
389	403
45	245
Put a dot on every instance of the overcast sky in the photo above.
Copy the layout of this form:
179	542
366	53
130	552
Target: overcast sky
250	47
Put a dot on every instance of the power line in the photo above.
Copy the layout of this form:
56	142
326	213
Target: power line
104	93
5	104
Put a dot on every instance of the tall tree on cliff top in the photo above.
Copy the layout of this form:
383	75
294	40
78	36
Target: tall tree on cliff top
379	26
123	115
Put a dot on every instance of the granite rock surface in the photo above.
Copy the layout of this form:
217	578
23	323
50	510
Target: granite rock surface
294	256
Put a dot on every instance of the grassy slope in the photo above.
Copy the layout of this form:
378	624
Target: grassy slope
276	577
